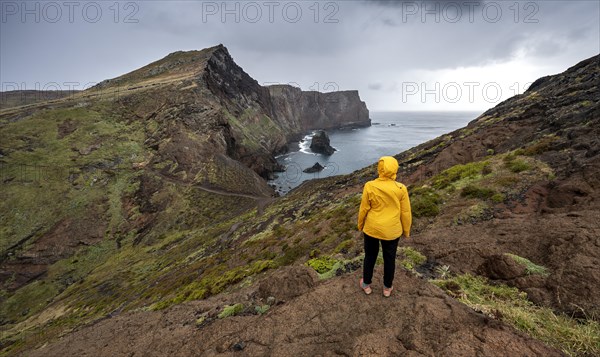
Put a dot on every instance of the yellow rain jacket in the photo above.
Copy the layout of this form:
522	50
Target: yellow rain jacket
385	208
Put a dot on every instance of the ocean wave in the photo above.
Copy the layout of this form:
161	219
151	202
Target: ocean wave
305	144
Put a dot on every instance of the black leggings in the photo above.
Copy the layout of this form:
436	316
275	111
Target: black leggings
389	248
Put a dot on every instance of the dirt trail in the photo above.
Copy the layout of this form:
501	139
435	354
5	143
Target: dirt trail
328	318
261	201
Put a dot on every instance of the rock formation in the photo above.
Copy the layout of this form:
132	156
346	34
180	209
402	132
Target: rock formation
314	168
320	143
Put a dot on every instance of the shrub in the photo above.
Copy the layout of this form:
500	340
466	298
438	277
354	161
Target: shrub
344	247
322	264
424	202
498	197
472	191
261	309
507	181
541	146
231	310
290	254
517	166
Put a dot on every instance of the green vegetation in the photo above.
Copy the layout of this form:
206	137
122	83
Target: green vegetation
443	271
252	127
472	214
412	257
231	310
530	267
514	164
498	197
517	166
345	246
459	172
473	191
424	202
261	309
540	146
322	264
215	280
574	337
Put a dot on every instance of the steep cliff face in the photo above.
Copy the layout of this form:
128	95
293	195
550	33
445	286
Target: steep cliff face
265	119
294	108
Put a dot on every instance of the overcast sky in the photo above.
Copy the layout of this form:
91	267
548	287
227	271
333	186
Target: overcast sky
400	55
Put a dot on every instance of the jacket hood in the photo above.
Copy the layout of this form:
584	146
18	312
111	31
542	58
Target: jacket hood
387	167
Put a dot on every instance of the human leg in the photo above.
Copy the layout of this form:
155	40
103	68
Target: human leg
389	248
371	251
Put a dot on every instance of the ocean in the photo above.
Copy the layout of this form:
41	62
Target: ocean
390	134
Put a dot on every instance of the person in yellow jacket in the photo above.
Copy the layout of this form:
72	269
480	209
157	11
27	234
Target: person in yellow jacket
384	216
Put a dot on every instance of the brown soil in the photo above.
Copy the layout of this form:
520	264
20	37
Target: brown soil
331	318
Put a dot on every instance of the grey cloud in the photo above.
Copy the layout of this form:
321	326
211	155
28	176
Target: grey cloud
375	86
368	47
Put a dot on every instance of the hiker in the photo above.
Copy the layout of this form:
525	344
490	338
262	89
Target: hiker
384	216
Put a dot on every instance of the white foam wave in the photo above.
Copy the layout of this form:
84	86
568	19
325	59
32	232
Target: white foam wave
305	144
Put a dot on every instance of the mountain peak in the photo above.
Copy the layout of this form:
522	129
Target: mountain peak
175	66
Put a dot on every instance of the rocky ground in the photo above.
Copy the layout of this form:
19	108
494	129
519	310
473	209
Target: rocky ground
331	318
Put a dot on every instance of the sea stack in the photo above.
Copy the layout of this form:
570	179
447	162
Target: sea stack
320	143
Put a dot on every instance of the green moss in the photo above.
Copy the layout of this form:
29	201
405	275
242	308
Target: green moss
231	310
322	264
473	191
342	267
530	267
412	257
